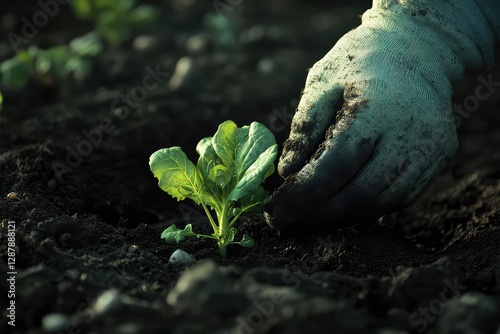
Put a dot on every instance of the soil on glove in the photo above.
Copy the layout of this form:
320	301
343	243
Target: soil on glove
75	179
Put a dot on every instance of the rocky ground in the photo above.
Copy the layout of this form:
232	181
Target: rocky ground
89	258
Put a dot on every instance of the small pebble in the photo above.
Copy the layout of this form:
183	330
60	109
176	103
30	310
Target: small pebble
54	322
133	249
266	66
182	73
197	43
13	195
180	257
252	35
107	301
144	43
52	184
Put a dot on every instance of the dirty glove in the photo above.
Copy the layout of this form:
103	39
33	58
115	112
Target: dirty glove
375	122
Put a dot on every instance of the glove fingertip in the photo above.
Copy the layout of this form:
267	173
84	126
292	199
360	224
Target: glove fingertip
289	161
315	115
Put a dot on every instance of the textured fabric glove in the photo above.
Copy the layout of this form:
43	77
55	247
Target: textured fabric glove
375	122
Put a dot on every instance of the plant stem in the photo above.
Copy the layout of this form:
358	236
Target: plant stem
205	236
233	221
223	222
223	230
222	250
210	218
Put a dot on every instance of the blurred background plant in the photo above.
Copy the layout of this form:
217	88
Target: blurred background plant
222	30
51	67
115	20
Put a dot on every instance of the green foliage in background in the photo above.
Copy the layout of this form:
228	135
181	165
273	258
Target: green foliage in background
222	30
56	65
115	20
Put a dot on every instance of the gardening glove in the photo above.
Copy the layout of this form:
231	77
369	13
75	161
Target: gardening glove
375	122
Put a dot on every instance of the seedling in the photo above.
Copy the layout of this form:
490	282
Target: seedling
227	179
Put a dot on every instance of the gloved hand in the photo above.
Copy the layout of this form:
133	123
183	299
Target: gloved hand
375	122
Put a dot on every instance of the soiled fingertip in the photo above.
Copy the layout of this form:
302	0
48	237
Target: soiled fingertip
287	163
315	114
304	193
283	211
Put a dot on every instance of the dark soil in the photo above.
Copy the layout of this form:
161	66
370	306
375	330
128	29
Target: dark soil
89	257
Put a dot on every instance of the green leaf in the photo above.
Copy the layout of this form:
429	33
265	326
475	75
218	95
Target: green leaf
252	141
255	202
144	15
254	175
221	175
255	154
270	171
210	192
79	67
16	71
82	8
224	143
235	211
43	63
174	235
53	61
208	158
88	45
207	152
178	176
232	233
247	241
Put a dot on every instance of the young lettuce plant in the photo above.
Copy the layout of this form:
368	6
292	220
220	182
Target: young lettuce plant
227	179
